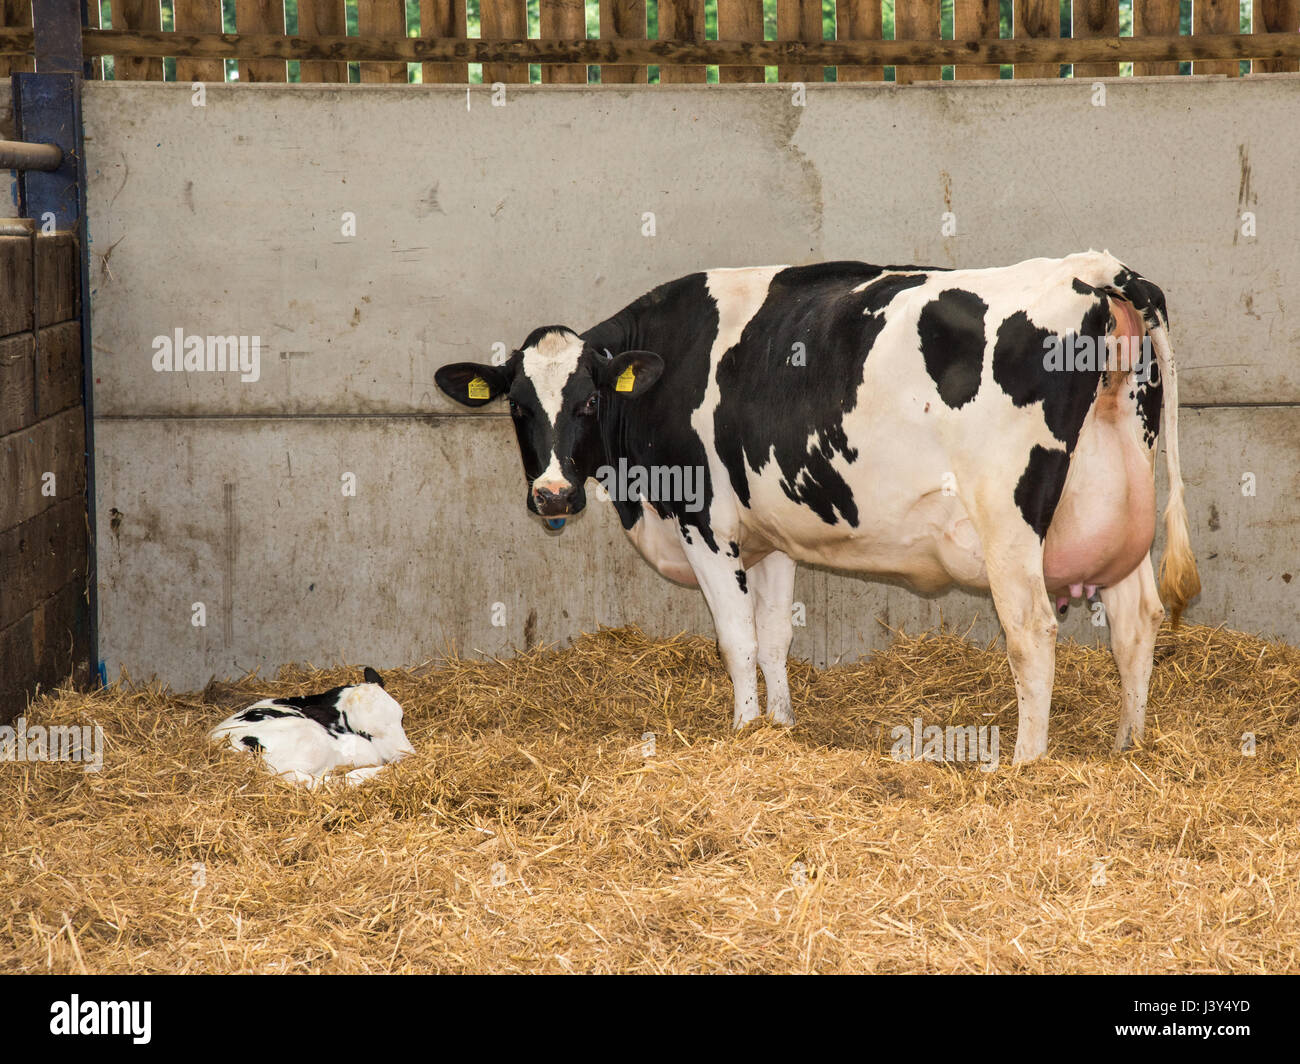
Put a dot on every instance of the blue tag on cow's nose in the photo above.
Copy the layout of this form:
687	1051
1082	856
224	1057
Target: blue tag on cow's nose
554	523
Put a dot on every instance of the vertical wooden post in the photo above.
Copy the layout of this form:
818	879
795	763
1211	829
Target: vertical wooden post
1036	18
137	15
504	20
1155	18
916	20
681	20
622	20
976	20
382	18
199	16
859	20
260	16
1276	16
1216	16
1096	18
445	19
319	18
563	20
740	20
799	20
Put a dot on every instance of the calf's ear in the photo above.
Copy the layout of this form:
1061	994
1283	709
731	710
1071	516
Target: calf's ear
631	373
471	383
373	677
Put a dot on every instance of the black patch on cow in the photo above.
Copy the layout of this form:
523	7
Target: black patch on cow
743	581
1040	486
1150	396
677	321
256	716
251	742
322	708
771	407
734	549
1147	299
951	328
1020	370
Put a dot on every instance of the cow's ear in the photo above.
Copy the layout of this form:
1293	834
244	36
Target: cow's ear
630	373
373	677
472	383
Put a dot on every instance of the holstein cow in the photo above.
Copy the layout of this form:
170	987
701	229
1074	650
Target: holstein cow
931	426
353	730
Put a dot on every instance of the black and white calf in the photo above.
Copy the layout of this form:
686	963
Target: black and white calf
931	426
305	738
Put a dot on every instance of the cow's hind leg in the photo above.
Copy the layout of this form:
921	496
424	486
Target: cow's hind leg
1015	569
1133	614
726	589
772	581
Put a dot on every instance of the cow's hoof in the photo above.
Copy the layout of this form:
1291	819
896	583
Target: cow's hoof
1024	756
782	715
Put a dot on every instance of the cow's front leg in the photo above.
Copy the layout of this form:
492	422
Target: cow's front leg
772	581
726	589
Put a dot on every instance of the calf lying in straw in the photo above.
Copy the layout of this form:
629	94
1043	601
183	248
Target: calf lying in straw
305	738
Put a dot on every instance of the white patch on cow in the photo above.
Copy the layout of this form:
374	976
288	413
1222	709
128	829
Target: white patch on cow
739	294
549	365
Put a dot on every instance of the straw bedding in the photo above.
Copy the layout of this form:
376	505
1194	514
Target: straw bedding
532	833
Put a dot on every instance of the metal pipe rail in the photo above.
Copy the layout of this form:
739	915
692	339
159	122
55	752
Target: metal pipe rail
24	155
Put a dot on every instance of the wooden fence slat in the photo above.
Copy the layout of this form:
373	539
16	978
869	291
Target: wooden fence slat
1216	16
15	14
740	20
859	20
622	20
137	15
260	16
681	20
798	20
1276	16
443	19
1036	18
382	18
975	20
503	20
916	20
563	20
1095	18
320	18
199	16
1155	18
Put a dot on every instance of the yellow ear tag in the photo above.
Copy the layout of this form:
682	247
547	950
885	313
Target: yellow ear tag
625	380
478	389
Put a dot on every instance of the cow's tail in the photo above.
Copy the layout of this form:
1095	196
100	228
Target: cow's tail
1179	580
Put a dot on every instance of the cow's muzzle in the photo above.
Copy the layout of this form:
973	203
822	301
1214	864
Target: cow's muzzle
556	500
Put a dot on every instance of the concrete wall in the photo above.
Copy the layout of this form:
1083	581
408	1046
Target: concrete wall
476	223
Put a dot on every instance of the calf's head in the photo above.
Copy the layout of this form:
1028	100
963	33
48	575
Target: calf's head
558	387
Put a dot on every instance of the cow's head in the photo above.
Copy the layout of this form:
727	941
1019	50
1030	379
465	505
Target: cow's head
557	386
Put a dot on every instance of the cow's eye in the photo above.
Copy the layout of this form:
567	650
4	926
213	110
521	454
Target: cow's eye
514	408
589	407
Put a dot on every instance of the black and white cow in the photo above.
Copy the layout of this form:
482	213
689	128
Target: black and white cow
306	738
931	426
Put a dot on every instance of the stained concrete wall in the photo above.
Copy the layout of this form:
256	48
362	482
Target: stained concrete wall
476	223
